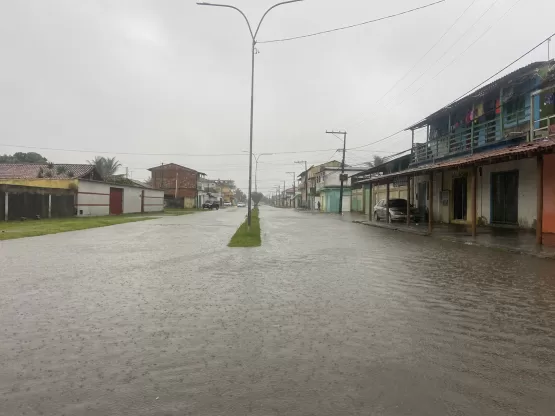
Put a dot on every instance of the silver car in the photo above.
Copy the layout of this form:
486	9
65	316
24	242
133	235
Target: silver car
397	211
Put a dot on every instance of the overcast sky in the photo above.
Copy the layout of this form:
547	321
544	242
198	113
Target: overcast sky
171	77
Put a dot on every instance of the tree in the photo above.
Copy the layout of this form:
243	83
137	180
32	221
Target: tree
106	166
20	157
256	197
240	195
378	160
148	182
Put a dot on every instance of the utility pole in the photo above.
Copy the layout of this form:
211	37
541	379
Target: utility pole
342	176
284	195
305	180
278	196
294	178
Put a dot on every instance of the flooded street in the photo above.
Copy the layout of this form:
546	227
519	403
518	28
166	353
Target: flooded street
327	318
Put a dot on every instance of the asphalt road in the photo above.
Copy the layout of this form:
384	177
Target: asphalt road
326	318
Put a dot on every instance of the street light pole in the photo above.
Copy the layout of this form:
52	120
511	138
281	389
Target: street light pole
344	133
305	180
294	178
256	167
253	52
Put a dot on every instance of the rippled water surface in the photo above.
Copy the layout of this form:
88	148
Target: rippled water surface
326	318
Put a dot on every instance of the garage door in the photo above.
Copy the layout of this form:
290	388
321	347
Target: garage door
116	201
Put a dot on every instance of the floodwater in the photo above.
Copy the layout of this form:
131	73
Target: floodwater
327	318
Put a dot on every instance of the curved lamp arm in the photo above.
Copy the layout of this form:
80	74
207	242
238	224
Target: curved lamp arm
268	11
234	8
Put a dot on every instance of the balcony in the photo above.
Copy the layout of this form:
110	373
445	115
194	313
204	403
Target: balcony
475	137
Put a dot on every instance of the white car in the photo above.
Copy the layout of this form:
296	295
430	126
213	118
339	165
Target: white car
241	205
227	204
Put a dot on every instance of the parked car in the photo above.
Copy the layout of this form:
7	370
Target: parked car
211	205
397	211
227	204
241	204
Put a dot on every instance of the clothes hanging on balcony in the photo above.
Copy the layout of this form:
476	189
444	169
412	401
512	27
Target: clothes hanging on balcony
498	106
549	99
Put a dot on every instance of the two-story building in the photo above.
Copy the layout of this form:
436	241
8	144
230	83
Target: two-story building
488	157
328	188
313	194
179	183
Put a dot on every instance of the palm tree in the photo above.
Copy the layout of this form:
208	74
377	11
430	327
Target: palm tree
106	166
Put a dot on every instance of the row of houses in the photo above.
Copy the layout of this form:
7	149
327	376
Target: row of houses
47	190
488	160
64	190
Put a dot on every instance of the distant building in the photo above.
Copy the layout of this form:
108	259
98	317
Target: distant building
179	183
64	190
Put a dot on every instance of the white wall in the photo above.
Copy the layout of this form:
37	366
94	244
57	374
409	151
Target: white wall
331	178
154	201
527	191
346	206
131	199
93	199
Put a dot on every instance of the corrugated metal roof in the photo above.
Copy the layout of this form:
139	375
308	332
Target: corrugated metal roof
526	71
492	156
44	170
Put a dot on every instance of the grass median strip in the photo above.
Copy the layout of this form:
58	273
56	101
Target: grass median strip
245	238
32	228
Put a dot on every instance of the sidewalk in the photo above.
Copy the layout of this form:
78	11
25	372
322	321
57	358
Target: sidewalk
507	239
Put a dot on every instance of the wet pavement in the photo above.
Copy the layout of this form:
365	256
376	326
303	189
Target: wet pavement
326	318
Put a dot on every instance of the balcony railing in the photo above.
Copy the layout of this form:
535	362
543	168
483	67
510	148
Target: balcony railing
544	128
469	139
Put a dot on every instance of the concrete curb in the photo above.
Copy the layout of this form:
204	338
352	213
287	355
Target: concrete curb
393	228
537	254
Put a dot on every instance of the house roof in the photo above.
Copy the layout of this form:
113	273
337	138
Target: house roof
484	158
527	71
45	170
174	165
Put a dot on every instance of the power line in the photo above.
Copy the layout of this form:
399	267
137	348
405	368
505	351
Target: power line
477	39
426	54
154	154
353	26
465	94
441	57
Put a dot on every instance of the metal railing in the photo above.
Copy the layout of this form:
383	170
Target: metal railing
545	128
466	140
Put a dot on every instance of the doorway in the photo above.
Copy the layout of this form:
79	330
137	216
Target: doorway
504	198
423	200
116	201
459	198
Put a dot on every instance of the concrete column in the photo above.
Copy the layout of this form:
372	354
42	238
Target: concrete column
473	214
6	206
431	204
539	214
49	205
371	207
408	200
387	204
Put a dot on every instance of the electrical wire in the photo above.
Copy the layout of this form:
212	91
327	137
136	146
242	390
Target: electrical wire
154	154
424	56
468	47
437	60
353	26
463	95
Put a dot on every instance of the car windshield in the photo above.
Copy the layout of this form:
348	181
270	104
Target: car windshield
397	203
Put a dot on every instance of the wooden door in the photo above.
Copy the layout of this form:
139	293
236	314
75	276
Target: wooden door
116	201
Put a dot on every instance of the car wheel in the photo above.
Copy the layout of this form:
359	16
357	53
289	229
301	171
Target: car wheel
376	217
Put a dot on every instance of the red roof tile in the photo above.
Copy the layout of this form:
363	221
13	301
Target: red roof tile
38	170
483	158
